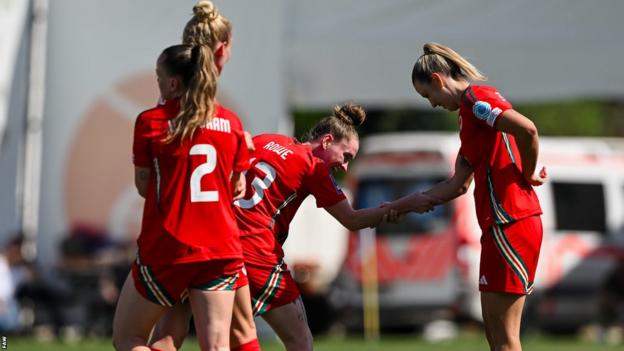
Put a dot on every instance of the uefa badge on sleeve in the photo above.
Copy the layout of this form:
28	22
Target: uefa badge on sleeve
482	110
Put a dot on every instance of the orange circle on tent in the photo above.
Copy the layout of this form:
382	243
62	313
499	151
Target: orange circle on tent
99	177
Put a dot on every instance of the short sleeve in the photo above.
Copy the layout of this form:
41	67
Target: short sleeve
241	160
141	154
488	105
323	186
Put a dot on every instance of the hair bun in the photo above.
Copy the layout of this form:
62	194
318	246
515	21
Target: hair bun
429	48
350	113
205	9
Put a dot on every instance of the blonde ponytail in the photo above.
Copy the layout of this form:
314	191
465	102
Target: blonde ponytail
442	59
194	65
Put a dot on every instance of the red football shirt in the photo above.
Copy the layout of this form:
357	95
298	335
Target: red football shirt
283	173
188	214
502	195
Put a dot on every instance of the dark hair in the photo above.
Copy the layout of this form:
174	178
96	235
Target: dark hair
341	124
194	66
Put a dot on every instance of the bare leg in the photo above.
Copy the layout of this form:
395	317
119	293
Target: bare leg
502	317
486	324
172	328
135	317
243	325
212	311
291	325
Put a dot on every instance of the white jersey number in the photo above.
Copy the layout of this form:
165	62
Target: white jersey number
197	194
259	186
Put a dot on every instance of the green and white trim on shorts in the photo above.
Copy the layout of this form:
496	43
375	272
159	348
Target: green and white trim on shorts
500	215
155	291
512	257
268	291
223	283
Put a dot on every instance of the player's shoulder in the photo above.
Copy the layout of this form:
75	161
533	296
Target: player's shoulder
484	102
478	93
151	113
483	99
283	140
163	109
225	113
295	149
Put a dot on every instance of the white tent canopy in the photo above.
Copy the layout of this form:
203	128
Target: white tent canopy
531	50
288	54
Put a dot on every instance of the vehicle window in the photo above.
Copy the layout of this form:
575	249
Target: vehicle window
579	206
372	192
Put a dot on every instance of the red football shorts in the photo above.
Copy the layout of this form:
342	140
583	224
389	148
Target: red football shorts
271	286
242	278
509	255
166	284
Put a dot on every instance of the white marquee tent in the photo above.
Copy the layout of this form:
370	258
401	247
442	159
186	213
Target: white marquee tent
287	55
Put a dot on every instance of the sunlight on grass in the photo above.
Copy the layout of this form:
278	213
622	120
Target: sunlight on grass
466	342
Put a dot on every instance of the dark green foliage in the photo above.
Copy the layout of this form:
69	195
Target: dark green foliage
563	118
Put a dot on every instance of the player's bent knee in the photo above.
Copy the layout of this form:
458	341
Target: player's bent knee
301	341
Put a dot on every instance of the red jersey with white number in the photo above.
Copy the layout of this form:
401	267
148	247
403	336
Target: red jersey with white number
188	213
502	195
283	173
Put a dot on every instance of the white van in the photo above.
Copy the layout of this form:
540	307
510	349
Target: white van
428	264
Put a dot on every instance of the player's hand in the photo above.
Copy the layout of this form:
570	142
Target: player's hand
249	141
422	203
238	186
539	178
392	215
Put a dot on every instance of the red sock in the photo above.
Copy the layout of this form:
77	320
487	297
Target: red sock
253	345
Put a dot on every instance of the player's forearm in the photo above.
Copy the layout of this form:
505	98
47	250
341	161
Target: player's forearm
364	218
528	146
440	193
449	189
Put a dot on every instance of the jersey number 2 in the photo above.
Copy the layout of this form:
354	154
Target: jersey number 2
198	195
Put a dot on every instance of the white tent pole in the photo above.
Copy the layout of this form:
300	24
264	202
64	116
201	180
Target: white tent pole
34	123
370	283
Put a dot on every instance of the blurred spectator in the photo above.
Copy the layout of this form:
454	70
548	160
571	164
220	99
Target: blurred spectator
79	294
13	274
611	304
96	266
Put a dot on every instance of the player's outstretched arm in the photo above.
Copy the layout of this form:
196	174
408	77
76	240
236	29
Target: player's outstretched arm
440	193
356	219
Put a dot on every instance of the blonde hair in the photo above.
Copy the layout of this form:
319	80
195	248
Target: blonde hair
437	58
341	124
194	66
207	26
205	30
